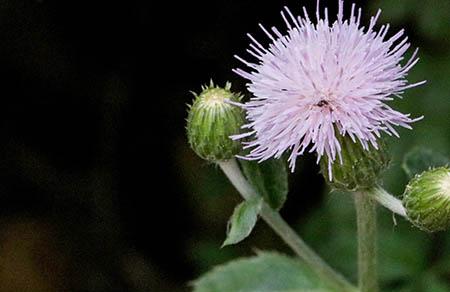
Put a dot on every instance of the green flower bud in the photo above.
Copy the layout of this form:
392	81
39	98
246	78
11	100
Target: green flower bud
427	200
360	169
211	122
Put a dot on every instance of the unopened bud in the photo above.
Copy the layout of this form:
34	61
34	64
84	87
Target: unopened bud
427	200
212	120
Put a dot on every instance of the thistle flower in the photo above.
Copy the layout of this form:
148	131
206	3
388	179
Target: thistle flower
320	80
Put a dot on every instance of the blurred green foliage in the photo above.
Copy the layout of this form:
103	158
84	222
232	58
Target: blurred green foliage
410	260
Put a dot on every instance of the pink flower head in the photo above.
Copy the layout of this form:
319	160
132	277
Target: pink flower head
323	79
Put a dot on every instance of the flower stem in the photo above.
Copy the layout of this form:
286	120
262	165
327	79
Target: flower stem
276	222
387	200
367	242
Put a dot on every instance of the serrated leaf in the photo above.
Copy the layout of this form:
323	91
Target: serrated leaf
420	159
242	221
269	178
267	272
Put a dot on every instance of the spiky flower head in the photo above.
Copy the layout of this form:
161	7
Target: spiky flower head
324	79
212	119
427	200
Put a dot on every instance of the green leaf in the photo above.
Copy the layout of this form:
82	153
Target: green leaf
267	272
242	221
420	159
269	178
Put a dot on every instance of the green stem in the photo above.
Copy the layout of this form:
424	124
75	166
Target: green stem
387	200
276	222
367	242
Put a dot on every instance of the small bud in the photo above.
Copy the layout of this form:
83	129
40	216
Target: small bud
360	168
212	120
427	200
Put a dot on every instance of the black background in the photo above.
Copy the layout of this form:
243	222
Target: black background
93	105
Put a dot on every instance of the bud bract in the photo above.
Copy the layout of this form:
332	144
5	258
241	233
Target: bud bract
359	169
212	120
427	200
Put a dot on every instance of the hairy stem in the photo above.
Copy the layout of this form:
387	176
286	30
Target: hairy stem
367	242
276	222
387	200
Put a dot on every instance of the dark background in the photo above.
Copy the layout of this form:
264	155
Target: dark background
99	190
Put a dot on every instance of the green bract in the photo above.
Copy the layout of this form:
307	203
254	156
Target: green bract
211	122
360	169
427	200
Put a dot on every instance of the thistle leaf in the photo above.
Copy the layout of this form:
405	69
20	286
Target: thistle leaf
266	272
242	221
420	159
269	178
